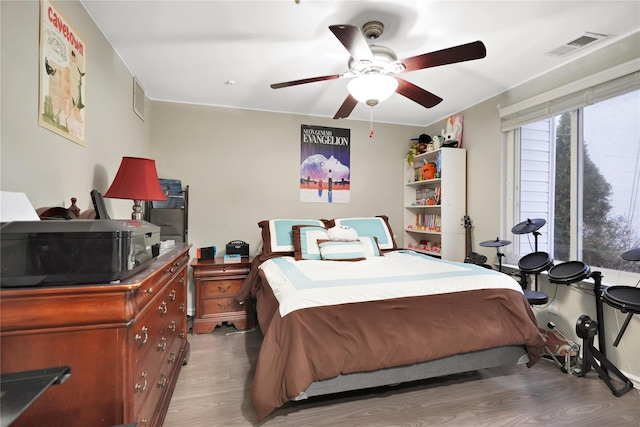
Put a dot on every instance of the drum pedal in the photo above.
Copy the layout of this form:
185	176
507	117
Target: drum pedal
570	349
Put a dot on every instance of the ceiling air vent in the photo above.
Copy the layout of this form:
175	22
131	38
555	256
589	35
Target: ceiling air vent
586	39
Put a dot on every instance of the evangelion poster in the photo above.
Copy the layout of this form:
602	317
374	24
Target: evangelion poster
62	75
324	164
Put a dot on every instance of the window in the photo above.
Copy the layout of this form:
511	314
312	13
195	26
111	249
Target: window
580	172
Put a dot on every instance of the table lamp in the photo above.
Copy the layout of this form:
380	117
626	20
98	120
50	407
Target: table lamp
137	180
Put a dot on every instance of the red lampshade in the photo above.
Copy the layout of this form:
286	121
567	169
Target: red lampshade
136	179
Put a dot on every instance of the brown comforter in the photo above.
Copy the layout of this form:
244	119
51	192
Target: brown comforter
323	342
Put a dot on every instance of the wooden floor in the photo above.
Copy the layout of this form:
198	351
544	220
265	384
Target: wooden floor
213	390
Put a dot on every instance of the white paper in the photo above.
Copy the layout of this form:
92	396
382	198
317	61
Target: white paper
16	207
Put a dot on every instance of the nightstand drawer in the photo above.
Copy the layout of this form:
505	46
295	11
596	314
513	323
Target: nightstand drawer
222	305
220	288
211	269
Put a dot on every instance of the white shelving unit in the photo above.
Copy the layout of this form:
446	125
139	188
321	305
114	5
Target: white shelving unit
440	227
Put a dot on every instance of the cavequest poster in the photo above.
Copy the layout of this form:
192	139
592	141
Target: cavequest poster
324	164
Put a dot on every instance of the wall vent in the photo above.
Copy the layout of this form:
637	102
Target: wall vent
580	42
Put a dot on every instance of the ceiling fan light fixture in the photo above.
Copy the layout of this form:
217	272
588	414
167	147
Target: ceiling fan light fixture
372	89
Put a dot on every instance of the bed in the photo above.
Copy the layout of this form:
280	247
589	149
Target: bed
345	314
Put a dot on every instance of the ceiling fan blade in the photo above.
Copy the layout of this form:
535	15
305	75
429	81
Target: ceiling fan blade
464	52
346	108
303	81
417	94
351	37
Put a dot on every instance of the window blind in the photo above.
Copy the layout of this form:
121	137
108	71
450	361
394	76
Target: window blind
598	87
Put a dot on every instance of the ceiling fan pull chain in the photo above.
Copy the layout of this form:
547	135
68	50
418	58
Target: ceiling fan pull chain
370	122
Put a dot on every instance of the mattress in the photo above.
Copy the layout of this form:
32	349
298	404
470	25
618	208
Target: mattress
322	319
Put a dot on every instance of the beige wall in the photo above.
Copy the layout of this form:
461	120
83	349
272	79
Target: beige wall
244	166
47	167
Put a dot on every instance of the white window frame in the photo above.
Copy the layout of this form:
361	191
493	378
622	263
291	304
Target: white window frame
606	84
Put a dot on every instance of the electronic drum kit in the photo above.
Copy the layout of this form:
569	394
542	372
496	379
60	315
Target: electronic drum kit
623	298
533	263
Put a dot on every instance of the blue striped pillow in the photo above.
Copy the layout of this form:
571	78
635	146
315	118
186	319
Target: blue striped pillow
370	245
305	241
332	250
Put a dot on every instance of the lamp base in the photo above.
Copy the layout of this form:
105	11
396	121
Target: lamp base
137	210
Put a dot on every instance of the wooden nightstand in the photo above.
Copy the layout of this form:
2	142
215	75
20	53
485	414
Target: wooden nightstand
217	285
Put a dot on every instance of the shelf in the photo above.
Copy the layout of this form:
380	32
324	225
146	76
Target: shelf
424	182
413	230
423	251
430	155
450	189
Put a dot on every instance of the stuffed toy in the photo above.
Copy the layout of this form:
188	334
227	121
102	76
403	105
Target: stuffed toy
428	171
437	142
423	142
452	135
343	233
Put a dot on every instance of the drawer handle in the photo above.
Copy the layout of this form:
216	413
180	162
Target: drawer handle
182	335
172	358
172	326
163	381
224	307
173	267
182	281
162	308
221	289
144	421
143	387
172	295
148	291
182	307
142	339
162	345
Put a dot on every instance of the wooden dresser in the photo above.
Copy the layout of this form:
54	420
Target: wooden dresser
125	343
217	285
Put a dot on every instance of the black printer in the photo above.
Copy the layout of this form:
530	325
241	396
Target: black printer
76	251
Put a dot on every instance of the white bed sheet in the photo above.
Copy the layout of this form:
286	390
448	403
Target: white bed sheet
310	283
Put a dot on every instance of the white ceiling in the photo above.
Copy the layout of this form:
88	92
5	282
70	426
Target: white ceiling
185	51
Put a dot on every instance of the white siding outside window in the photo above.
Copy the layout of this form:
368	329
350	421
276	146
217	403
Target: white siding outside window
536	182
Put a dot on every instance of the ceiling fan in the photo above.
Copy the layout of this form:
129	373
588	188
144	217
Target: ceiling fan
375	68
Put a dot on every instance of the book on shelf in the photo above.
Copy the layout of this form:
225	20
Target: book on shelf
232	259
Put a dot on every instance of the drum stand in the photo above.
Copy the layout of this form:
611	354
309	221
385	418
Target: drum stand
587	329
535	276
531	226
497	244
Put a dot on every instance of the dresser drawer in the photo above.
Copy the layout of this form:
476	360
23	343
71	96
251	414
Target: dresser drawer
159	335
156	387
219	270
164	317
221	288
149	289
222	305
